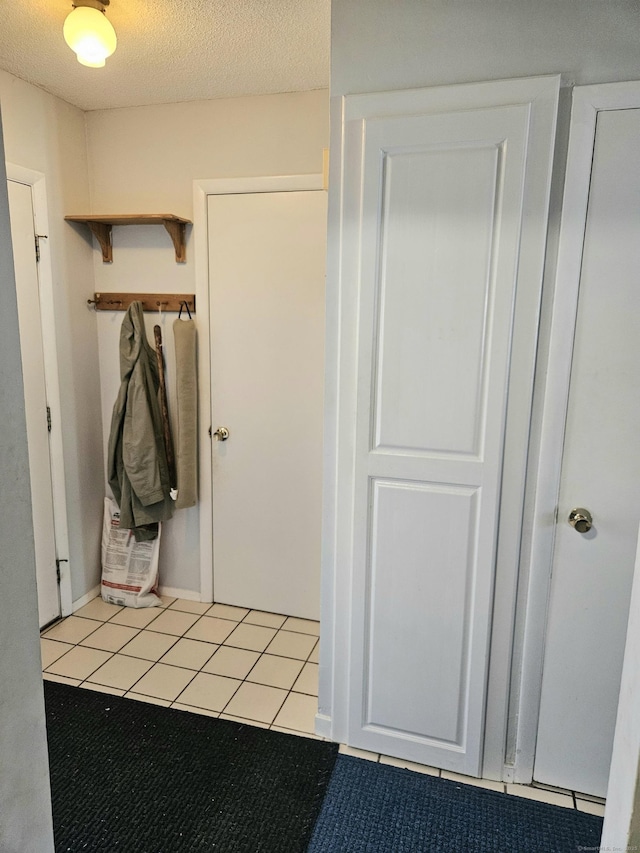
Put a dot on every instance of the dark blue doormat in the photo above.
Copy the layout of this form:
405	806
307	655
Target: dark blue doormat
129	777
375	808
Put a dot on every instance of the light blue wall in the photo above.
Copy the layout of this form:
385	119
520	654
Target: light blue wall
379	45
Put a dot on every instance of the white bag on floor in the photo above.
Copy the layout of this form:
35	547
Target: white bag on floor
129	568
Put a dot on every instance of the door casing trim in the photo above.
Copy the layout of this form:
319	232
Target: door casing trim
37	182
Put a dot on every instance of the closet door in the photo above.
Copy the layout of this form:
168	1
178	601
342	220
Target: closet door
593	569
266	276
444	220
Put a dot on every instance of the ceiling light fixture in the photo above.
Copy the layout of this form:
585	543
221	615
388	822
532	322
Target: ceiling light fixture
88	32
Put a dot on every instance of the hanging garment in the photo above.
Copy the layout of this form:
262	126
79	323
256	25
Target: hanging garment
184	332
136	458
164	410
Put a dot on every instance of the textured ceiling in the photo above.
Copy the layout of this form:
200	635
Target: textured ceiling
173	50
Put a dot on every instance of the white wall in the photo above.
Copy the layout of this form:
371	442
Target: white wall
378	45
144	160
24	778
46	134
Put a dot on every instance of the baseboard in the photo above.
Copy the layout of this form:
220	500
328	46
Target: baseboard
174	592
323	726
85	599
169	591
508	773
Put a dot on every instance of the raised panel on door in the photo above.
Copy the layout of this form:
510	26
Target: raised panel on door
434	200
434	527
438	212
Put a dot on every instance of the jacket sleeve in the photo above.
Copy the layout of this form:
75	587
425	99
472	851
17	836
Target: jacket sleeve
114	450
140	454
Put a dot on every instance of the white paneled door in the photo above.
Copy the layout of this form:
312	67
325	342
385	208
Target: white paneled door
593	570
266	277
439	213
33	371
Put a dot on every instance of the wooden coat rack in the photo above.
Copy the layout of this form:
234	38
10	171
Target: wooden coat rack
150	301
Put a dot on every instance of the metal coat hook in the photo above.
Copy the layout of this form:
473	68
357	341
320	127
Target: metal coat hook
184	304
99	301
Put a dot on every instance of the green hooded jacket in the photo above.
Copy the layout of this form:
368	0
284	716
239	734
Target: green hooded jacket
136	458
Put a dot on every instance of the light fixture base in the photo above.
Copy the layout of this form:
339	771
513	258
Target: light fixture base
95	4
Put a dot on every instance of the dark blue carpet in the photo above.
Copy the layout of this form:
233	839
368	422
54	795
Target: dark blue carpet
374	808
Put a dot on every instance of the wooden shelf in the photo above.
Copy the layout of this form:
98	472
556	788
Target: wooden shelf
101	226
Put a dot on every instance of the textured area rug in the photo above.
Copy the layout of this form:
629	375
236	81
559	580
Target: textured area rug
134	777
380	809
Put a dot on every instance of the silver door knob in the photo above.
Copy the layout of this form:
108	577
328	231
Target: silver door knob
580	519
222	434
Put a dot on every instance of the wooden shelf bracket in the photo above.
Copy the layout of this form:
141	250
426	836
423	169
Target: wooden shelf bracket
102	232
177	233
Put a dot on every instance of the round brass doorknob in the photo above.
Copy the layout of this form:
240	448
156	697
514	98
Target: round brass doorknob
222	434
580	519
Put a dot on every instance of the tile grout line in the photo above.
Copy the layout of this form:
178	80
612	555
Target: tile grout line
75	646
178	638
241	681
291	689
244	680
260	655
78	645
138	632
130	690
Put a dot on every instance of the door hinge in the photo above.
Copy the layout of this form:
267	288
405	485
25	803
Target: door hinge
37	238
48	418
58	561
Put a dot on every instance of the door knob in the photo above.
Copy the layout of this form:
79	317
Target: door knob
580	519
222	434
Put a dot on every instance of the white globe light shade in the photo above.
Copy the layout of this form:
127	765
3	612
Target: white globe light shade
90	35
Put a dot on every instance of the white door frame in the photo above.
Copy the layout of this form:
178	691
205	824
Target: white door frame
621	810
588	101
37	182
201	189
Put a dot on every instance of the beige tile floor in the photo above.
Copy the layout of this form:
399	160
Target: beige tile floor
222	661
218	660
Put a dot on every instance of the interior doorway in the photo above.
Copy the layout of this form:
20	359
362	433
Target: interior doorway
266	275
265	270
27	206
